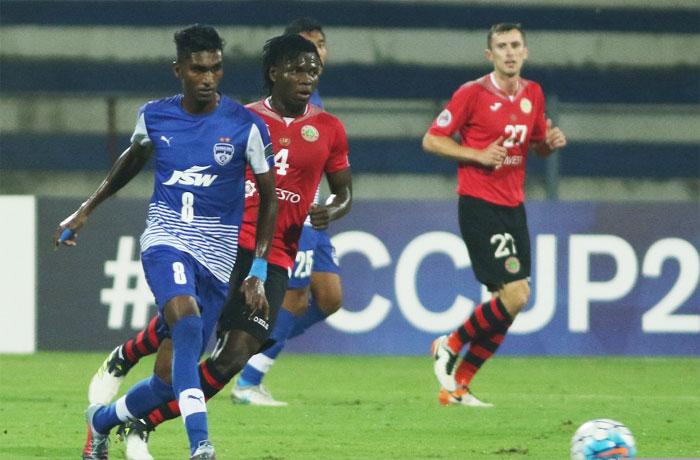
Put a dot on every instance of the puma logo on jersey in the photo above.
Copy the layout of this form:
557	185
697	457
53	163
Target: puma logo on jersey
166	139
192	176
495	106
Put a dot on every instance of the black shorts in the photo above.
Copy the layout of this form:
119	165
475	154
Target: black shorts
235	314
497	240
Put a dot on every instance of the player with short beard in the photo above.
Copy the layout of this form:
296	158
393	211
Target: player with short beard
497	116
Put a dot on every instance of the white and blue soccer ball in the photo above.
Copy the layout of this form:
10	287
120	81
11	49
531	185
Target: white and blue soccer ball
602	439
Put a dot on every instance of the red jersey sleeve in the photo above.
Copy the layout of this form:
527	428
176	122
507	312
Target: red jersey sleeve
456	113
338	158
539	128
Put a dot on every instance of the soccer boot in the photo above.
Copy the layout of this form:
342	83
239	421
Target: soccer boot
97	444
205	451
104	385
444	365
461	396
135	437
255	395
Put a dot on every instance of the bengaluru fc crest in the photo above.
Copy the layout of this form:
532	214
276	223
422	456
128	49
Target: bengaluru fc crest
223	152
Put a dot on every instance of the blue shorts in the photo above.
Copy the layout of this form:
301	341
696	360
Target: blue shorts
315	254
171	272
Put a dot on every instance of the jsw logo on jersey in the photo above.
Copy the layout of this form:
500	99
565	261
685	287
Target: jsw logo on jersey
192	176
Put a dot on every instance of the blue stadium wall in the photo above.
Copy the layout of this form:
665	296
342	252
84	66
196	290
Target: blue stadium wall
595	84
605	280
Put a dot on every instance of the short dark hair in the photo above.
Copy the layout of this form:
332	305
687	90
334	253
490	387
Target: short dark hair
503	27
195	38
305	24
284	48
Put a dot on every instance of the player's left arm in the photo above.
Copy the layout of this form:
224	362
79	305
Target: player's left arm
554	139
340	184
339	181
545	138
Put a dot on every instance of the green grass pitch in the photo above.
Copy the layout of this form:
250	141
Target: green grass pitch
377	408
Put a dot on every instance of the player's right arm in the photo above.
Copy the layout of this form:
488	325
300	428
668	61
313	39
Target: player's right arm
340	183
456	114
339	178
129	163
444	146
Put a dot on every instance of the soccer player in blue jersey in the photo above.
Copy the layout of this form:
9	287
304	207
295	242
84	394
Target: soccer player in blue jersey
315	272
309	143
202	142
314	291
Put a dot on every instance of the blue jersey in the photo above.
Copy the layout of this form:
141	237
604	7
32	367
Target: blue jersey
200	163
315	99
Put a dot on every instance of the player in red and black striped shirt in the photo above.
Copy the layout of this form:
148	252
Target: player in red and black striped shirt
498	118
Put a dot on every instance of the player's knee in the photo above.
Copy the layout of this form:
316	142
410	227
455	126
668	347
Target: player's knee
296	301
330	304
296	309
163	365
178	307
236	352
229	364
164	371
515	296
327	291
332	309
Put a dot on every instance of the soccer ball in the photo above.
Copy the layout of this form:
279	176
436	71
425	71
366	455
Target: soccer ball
602	438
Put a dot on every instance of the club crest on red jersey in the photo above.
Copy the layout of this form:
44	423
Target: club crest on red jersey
223	152
525	105
309	133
